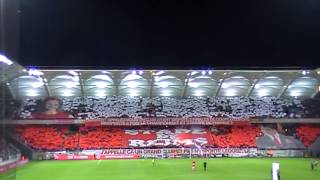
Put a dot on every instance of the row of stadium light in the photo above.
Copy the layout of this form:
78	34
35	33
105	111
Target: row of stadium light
132	84
133	92
165	92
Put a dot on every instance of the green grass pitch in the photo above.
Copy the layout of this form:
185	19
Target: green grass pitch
165	169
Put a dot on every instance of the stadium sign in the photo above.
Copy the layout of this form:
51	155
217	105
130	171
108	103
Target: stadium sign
169	153
168	137
136	122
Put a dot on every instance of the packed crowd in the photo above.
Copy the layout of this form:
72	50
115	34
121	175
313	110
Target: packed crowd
7	151
62	137
139	107
308	134
235	136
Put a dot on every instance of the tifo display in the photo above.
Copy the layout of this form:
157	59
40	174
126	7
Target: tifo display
60	137
139	107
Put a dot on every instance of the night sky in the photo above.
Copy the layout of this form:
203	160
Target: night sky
170	34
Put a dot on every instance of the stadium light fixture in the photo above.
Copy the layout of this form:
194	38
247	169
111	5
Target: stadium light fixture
295	93
67	93
102	77
203	72
76	78
194	84
134	72
263	92
133	93
165	93
272	77
32	93
238	77
101	84
225	85
131	77
100	93
304	73
163	84
230	92
37	84
159	73
156	78
64	77
193	73
70	84
5	60
132	84
198	93
210	72
35	72
140	72
73	73
104	72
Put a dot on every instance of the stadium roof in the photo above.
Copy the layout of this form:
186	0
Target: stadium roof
29	82
24	83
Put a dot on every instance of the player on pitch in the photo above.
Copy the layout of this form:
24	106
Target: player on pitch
193	166
314	164
205	166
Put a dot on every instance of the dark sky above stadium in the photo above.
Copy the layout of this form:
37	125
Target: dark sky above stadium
159	33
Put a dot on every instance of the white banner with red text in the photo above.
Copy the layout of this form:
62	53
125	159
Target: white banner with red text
158	153
136	121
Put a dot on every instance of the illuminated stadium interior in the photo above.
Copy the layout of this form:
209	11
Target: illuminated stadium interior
156	90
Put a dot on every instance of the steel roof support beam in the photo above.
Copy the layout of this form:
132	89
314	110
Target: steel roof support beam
81	84
186	82
285	88
151	84
45	84
11	90
220	83
254	84
317	91
116	82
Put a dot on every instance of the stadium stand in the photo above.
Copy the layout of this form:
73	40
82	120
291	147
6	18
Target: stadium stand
8	151
139	107
61	137
308	134
235	136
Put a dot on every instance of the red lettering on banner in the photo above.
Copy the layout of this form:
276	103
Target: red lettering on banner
167	137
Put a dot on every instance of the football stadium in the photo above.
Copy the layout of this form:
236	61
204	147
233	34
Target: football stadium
159	124
157	90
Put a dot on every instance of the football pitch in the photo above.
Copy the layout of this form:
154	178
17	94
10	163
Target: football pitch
164	169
